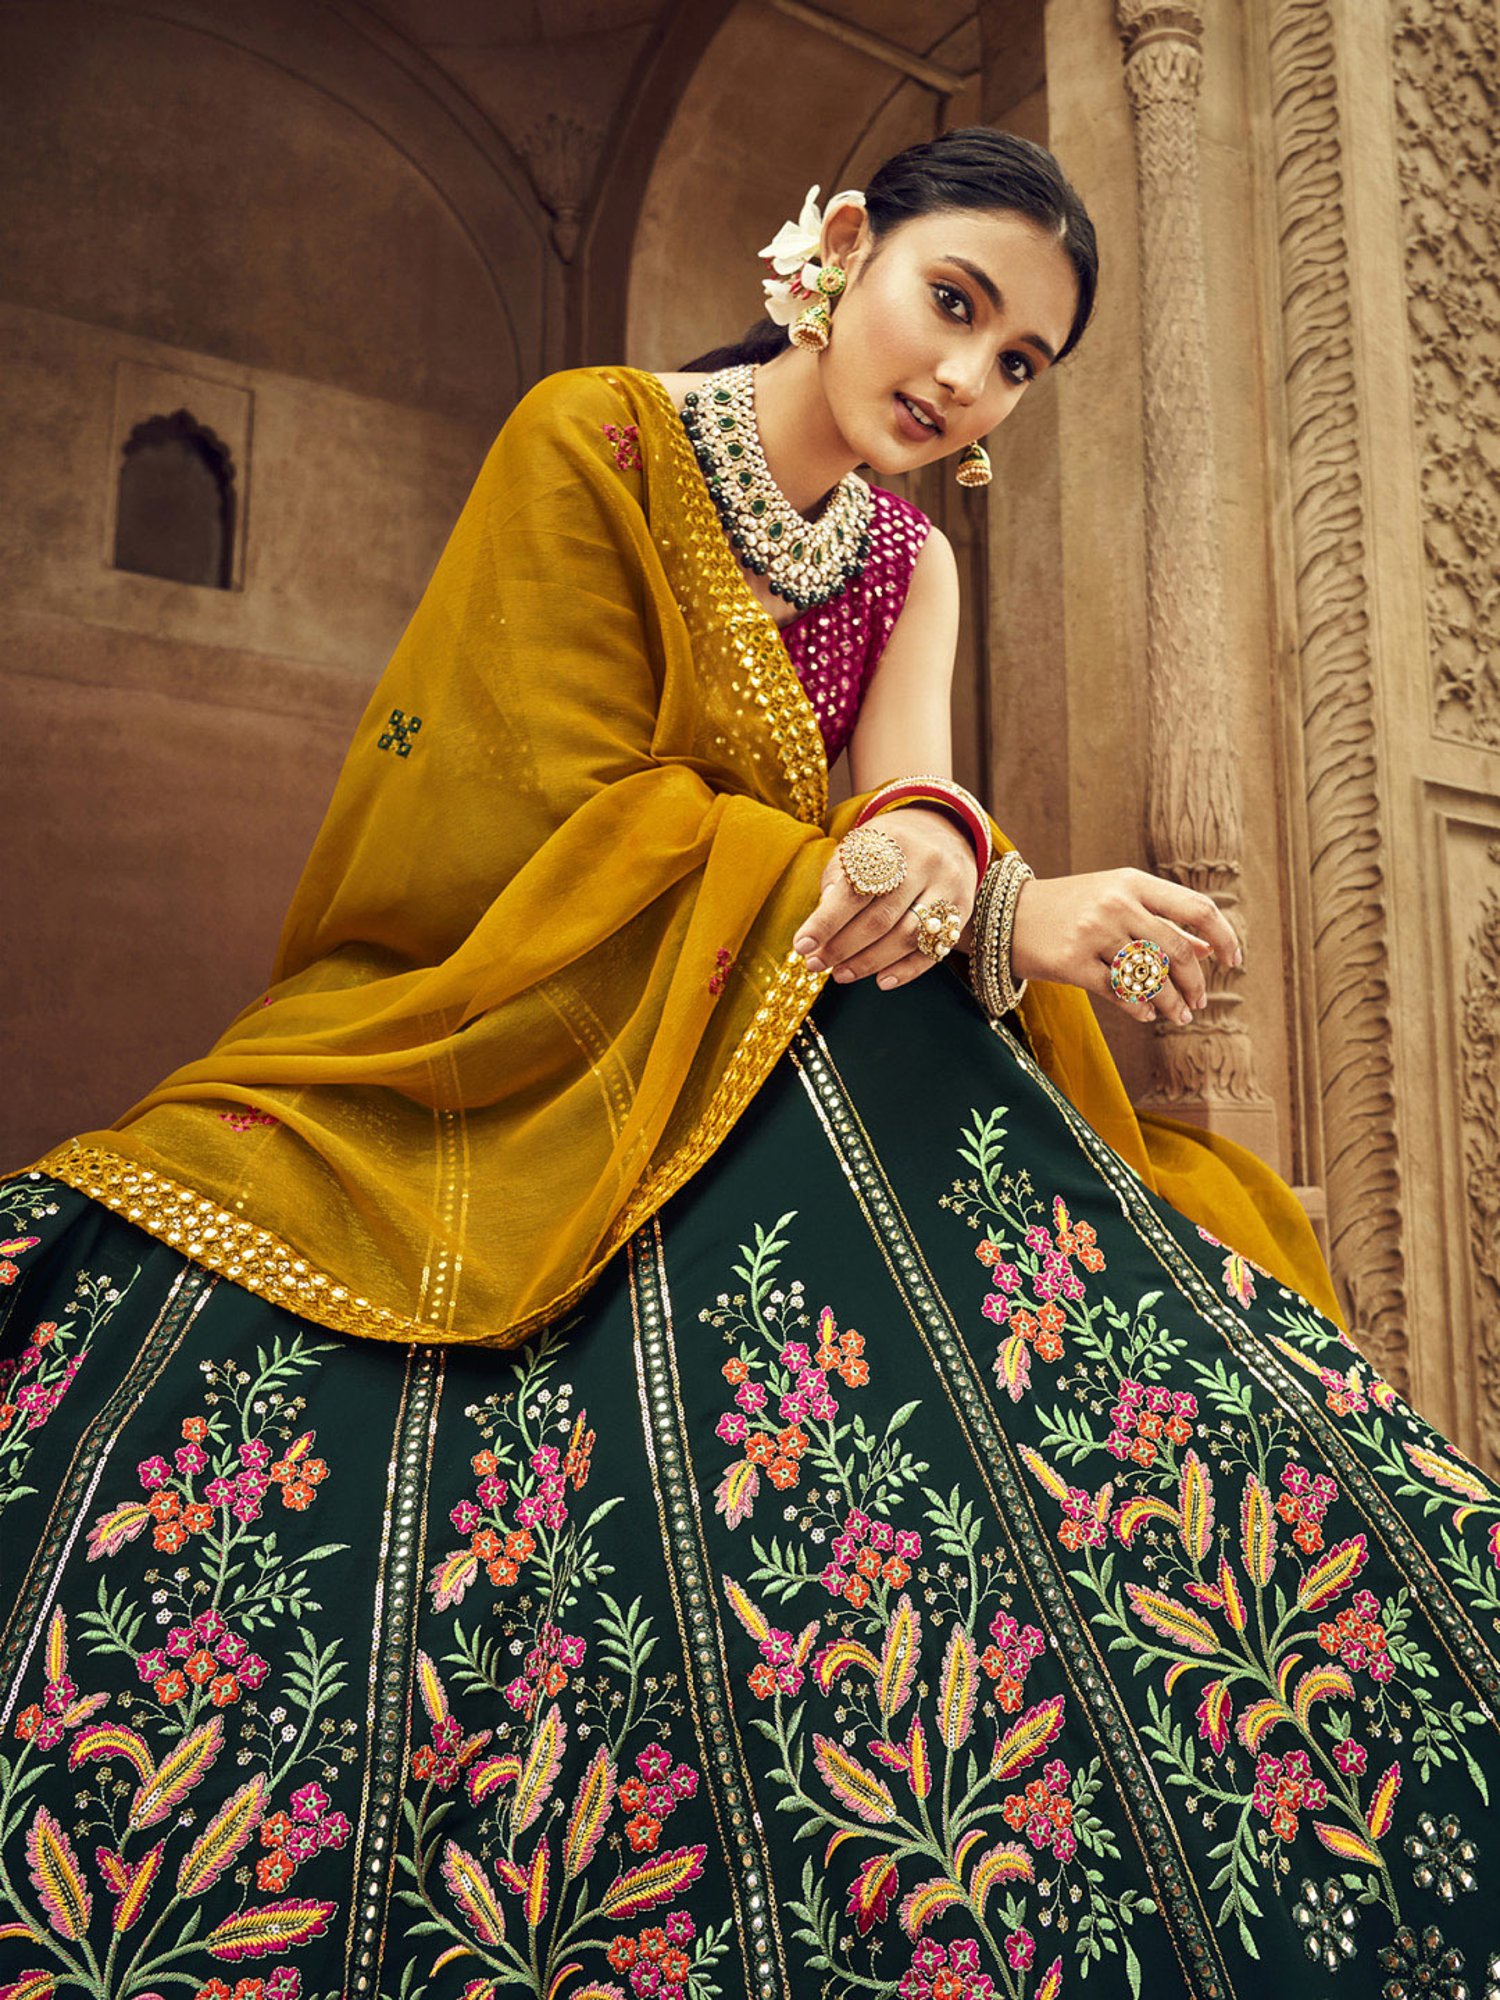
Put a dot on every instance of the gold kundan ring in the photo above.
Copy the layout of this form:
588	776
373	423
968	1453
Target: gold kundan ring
939	927
872	861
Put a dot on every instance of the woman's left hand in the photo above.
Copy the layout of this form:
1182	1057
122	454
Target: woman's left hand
852	934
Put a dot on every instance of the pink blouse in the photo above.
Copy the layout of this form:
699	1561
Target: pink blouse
835	646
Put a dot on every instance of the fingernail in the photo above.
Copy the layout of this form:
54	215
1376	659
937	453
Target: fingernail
805	945
886	981
1239	956
843	975
815	964
1187	1015
1150	1013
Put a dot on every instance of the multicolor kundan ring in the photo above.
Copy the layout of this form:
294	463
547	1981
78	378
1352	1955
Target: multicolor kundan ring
1138	970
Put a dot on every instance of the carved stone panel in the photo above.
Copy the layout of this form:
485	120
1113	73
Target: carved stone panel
1447	78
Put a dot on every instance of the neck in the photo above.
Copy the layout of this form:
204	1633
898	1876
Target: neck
804	452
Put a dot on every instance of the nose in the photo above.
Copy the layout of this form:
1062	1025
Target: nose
963	374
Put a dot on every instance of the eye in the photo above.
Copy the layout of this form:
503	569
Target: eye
1017	367
948	296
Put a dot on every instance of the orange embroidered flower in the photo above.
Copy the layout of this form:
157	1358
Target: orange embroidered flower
502	1572
868	1562
896	1571
198	1518
275	1870
484	1463
736	1371
1051	1317
164	1505
170	1686
791	1442
298	1494
782	1473
632	1795
763	1681
857	1592
201	1667
760	1448
195	1429
643	1832
855	1374
224	1690
1049	1346
519	1544
485	1543
169	1537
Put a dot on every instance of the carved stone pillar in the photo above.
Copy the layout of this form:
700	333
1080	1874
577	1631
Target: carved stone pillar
1194	825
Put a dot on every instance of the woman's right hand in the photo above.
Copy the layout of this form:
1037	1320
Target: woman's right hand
1069	928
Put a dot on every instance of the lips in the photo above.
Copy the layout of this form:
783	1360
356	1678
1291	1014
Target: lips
924	410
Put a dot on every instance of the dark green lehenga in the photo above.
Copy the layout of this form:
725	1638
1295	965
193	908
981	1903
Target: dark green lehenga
924	1565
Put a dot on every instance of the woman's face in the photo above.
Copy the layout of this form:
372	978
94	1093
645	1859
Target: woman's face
937	337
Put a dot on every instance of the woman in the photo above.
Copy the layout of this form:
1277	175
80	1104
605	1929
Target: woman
818	1497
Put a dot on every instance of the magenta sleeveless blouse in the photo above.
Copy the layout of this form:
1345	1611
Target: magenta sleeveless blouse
835	646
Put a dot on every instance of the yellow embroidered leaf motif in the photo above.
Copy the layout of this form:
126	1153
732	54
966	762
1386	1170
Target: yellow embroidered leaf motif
926	1901
1455	1474
1257	1532
898	1659
1052	1481
919	1767
470	1886
31	1985
1261	1717
654	1881
112	1739
1346	1843
1229	1590
490	1774
1008	1863
1217	1705
851	1784
176	1775
833	1659
591	1809
1319	1684
753	1619
539	1772
120	1525
1383	1803
1196	1505
1174	1621
57	1646
1332	1573
433	1699
536	1884
133	1901
960	1684
273	1927
223	1837
58	1878
1027	1739
1143	1508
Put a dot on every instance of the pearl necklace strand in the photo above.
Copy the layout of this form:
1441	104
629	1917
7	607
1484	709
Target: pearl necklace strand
805	562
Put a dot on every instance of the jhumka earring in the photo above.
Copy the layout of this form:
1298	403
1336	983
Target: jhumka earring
811	328
973	466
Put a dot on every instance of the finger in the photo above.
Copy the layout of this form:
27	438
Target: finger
880	918
904	971
1138	1010
894	943
1185	955
837	907
1194	912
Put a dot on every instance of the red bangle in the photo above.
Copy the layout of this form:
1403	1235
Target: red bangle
931	791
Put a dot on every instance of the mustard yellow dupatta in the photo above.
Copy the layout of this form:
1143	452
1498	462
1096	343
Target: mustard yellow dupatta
538	962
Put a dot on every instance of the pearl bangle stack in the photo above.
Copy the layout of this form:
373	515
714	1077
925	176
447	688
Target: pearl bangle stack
994	930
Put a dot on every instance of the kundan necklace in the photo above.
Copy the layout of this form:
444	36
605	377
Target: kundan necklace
806	562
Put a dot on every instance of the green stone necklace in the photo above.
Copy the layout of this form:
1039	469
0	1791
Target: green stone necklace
806	562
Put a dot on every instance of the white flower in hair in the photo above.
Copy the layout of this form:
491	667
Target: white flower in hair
793	255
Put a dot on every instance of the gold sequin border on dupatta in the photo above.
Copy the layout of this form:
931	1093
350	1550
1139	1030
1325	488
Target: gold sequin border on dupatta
263	1263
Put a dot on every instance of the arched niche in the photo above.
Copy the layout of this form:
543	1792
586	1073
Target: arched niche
175	506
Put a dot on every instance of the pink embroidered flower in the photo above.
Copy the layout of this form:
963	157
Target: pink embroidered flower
310	1803
255	1455
190	1458
1019	1949
655	1761
1350	1757
153	1472
253	1670
493	1492
732	1428
796	1357
751	1397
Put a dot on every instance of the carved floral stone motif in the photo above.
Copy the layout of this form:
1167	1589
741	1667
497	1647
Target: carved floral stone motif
1480	1106
1447	77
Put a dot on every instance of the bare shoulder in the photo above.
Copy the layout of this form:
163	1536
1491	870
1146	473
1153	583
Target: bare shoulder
678	386
936	567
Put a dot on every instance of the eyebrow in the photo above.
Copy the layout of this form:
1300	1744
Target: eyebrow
996	298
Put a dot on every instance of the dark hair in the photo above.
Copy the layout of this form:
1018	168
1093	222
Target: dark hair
975	167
